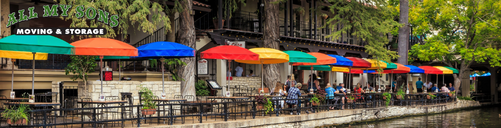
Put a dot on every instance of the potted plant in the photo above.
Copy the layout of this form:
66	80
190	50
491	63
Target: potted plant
214	20
261	100
430	96
148	105
299	11
387	98
324	16
451	94
314	100
350	99
17	115
400	94
201	88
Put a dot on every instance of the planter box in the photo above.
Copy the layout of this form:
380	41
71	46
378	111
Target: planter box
216	26
428	97
349	101
399	97
315	103
21	121
384	97
148	111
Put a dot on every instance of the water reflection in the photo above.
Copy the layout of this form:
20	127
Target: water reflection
477	118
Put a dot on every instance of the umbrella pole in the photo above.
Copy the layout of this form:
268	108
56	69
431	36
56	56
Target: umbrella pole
262	77
408	83
33	77
391	82
437	81
12	87
101	73
311	76
349	79
163	70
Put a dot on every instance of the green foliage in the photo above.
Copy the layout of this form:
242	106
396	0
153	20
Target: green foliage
370	21
16	113
472	87
172	65
388	98
315	99
401	93
266	102
234	6
140	13
351	98
432	96
25	95
80	67
201	88
147	96
464	98
462	32
299	10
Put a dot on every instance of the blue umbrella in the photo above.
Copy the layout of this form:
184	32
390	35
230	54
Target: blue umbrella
341	61
369	71
162	50
485	74
414	69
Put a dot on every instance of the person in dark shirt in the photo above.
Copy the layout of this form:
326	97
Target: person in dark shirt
451	88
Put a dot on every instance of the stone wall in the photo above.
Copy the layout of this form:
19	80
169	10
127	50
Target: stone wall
334	116
113	88
252	82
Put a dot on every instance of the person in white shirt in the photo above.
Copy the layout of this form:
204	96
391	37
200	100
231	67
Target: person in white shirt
427	85
239	70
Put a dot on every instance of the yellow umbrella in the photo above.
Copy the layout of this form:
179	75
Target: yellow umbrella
266	56
21	55
340	69
374	64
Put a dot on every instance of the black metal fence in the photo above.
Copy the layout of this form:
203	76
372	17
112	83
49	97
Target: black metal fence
204	111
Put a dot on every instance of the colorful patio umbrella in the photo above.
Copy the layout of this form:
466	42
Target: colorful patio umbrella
21	55
315	67
341	61
399	70
35	44
103	47
340	69
299	57
414	69
375	64
322	59
431	70
229	52
359	62
267	56
162	50
446	70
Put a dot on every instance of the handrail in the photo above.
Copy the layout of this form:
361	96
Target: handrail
158	35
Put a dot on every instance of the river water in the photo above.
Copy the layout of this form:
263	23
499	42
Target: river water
487	117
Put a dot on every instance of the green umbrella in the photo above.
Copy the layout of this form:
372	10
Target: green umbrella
300	57
390	65
316	67
455	71
35	44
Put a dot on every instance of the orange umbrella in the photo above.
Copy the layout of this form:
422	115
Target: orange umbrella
322	59
103	47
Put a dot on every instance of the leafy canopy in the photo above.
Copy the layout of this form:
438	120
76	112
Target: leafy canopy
369	20
142	14
463	31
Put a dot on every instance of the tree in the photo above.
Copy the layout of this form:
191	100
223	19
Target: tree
186	36
271	34
462	32
131	13
80	66
172	65
369	20
403	32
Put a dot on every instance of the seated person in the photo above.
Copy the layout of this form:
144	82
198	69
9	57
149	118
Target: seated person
451	88
434	88
293	93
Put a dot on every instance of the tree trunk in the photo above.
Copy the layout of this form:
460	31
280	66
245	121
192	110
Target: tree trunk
186	36
171	35
271	35
403	32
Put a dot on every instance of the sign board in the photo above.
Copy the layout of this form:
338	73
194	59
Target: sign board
213	84
107	75
237	43
202	66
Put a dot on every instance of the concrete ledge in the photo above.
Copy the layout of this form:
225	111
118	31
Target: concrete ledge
332	117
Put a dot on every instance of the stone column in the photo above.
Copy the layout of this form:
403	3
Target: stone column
221	75
284	72
494	91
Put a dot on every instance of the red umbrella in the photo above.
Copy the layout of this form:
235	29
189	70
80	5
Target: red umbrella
229	52
359	62
431	70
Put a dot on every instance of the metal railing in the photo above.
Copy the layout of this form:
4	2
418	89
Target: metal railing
210	110
158	35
